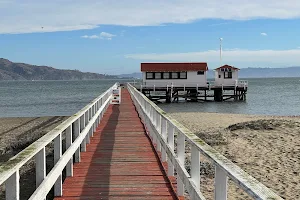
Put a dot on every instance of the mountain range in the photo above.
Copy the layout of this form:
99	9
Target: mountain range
246	73
21	71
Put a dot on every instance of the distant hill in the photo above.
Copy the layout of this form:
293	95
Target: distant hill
21	71
247	73
133	75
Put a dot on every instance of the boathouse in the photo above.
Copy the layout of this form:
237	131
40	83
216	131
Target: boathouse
226	75
163	74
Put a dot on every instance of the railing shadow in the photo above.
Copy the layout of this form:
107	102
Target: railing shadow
97	179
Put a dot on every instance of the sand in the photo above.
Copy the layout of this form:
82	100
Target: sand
15	135
266	147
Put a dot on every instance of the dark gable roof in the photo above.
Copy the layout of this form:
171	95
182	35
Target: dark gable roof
173	67
227	67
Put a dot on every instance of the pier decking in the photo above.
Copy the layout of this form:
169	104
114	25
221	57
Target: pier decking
119	162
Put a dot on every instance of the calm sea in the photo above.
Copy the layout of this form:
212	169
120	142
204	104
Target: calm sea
265	96
272	96
48	98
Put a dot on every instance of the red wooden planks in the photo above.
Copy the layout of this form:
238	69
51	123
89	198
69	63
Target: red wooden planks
120	162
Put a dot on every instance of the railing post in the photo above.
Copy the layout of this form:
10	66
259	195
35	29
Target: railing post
76	134
195	167
86	117
220	184
12	187
57	155
40	167
181	157
171	144
69	167
165	137
82	125
158	118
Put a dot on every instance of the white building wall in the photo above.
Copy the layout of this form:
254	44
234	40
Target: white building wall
222	80
192	80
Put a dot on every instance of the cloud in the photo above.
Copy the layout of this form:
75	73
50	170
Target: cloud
91	36
102	35
106	35
264	34
57	15
285	57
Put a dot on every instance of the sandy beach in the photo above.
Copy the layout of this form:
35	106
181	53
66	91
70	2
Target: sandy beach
15	135
266	147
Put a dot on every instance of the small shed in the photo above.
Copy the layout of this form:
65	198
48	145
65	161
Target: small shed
226	75
162	74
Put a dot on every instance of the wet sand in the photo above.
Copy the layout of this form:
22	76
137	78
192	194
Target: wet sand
266	147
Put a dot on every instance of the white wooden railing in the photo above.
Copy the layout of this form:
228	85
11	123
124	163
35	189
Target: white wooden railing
208	84
78	129
165	132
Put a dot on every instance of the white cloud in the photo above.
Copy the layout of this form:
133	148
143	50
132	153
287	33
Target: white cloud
264	34
284	57
102	35
91	36
105	35
19	16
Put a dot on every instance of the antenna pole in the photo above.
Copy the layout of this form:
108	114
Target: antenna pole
221	52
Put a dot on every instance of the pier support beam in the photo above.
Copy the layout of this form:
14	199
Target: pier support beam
218	95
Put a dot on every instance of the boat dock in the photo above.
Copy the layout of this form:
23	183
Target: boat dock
193	92
123	146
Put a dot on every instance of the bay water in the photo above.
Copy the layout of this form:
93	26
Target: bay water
266	96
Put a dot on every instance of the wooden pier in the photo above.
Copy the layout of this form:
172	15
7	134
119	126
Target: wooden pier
120	162
194	93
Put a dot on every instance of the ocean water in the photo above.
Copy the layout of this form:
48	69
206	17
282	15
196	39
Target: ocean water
272	96
48	98
265	96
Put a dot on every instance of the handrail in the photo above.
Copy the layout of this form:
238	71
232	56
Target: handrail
161	128
81	125
208	84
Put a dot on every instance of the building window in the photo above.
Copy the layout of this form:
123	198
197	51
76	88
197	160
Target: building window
149	75
227	75
200	72
182	75
166	75
174	75
157	75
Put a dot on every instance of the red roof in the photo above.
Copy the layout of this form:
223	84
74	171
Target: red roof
227	67
173	67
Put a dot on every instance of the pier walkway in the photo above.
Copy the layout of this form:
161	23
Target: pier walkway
119	162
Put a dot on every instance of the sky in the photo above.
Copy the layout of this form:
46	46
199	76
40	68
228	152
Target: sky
114	37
